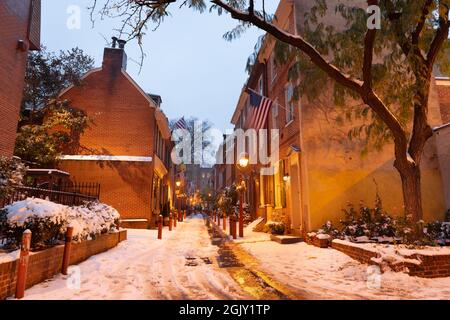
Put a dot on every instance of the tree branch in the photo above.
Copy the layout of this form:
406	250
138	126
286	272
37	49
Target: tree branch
296	41
425	11
368	96
439	39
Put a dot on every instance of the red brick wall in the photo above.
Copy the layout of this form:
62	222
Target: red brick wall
45	264
14	19
444	101
123	124
429	267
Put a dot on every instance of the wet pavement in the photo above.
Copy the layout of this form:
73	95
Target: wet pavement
244	268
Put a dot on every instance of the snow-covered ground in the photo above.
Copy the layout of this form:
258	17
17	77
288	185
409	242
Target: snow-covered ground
329	274
146	268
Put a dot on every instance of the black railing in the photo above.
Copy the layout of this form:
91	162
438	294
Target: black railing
57	196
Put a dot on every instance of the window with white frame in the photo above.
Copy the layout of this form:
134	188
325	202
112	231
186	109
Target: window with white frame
290	103
261	86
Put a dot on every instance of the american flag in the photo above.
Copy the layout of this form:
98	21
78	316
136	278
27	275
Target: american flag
180	124
260	107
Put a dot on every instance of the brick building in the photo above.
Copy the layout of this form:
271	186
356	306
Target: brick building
320	169
19	33
198	179
127	146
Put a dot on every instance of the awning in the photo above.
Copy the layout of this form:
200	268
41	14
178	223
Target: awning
160	168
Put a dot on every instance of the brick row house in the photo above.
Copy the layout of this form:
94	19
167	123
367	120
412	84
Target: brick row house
320	169
20	25
127	145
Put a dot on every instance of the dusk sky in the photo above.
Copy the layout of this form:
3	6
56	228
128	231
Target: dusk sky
188	63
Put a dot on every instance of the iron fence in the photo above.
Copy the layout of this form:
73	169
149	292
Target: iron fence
78	195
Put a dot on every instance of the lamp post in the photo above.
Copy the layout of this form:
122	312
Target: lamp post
243	165
178	185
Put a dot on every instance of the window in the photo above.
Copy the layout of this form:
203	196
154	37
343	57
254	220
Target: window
273	68
261	86
290	103
275	114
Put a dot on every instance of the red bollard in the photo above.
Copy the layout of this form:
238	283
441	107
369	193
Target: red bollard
185	215
233	227
170	222
241	214
224	222
67	247
23	264
175	218
160	227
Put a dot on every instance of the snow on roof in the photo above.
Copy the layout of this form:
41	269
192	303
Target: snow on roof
106	158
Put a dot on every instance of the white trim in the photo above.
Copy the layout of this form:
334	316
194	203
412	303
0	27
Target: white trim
87	74
289	123
436	129
105	158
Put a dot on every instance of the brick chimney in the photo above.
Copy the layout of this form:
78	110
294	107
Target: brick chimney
115	58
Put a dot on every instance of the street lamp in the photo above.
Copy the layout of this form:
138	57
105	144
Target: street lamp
242	166
178	183
244	161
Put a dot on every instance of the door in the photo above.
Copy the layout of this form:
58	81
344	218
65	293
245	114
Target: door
294	194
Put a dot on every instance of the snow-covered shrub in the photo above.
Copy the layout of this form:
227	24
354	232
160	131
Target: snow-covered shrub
329	230
274	227
48	221
372	223
12	171
91	220
43	218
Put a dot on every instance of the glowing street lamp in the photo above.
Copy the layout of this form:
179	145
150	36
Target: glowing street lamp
242	165
178	183
244	161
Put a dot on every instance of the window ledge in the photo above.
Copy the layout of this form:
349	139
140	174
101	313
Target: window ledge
289	123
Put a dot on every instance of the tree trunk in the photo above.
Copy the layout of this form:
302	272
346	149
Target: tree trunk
412	193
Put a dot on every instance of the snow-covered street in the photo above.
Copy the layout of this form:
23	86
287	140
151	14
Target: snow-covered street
181	266
315	273
185	265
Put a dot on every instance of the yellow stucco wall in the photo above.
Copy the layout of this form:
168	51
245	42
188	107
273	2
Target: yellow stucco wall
337	173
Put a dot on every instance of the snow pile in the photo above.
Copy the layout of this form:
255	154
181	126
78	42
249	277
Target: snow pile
88	220
21	212
92	219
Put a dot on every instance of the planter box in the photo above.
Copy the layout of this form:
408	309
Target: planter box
427	265
321	243
315	241
45	264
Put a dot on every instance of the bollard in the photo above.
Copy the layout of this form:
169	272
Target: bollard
224	221
170	222
241	214
67	247
232	226
218	219
23	264
175	218
185	216
160	227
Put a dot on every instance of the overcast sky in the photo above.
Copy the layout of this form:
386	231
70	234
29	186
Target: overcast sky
188	63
